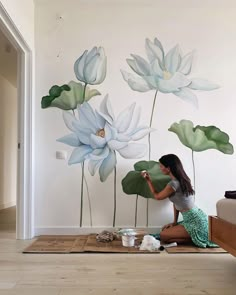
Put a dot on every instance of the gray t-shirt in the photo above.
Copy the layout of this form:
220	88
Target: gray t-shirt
180	200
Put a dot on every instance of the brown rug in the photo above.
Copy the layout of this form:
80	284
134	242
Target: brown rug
81	244
192	249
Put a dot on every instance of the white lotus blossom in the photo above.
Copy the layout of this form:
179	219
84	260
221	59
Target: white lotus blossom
97	135
90	67
167	73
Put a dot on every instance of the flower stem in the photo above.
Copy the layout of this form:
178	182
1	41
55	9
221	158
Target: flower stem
136	209
114	214
150	125
82	180
149	150
81	196
89	201
194	174
85	85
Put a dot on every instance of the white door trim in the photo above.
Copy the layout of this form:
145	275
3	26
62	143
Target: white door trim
24	201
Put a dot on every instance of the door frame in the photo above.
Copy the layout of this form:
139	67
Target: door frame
24	198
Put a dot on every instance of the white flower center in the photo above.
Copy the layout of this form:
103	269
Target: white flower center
166	75
101	133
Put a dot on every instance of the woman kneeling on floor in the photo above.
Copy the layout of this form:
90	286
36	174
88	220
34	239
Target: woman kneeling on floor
194	227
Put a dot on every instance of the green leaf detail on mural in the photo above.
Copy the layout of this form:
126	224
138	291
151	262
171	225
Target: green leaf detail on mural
201	138
67	97
134	183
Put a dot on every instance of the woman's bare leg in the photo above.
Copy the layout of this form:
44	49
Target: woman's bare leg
176	234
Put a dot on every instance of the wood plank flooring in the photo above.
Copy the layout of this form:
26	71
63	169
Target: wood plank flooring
105	274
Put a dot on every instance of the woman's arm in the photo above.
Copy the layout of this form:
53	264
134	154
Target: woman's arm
165	193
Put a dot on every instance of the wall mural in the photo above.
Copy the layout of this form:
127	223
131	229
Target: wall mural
97	135
166	73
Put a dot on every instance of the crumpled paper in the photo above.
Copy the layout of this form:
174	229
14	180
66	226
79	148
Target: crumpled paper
149	243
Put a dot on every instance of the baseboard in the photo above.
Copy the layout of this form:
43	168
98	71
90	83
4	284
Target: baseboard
7	205
76	230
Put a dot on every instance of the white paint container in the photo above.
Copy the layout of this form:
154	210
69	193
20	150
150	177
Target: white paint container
128	241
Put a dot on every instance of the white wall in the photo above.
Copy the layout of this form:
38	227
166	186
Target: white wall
68	28
8	143
22	14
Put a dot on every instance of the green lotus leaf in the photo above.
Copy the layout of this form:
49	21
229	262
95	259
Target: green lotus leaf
134	183
67	98
54	92
201	138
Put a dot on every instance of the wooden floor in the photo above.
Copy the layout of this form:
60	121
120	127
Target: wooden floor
102	274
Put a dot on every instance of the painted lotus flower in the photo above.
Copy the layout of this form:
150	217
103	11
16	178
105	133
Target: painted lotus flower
167	73
97	135
90	67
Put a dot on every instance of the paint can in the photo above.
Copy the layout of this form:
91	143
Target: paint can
128	241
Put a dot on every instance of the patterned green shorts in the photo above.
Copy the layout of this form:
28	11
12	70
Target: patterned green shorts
195	221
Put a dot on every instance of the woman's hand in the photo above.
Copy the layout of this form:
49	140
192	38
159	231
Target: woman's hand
145	175
169	225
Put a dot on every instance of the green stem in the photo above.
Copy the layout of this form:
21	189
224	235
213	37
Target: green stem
73	112
81	195
194	174
150	125
114	214
149	150
89	201
82	179
85	85
136	209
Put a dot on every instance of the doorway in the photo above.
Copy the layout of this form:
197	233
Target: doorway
24	173
8	134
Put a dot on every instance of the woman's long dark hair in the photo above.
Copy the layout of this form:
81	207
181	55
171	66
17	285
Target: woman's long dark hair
172	162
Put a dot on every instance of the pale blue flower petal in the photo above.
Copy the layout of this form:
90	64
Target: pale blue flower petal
102	69
100	120
79	154
93	166
90	71
133	151
90	55
156	69
202	84
106	110
188	96
122	137
154	50
158	44
99	154
116	145
135	82
123	120
70	139
87	116
173	59
110	132
186	64
134	122
79	66
142	65
152	81
107	166
134	66
175	83
69	120
142	132
97	141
